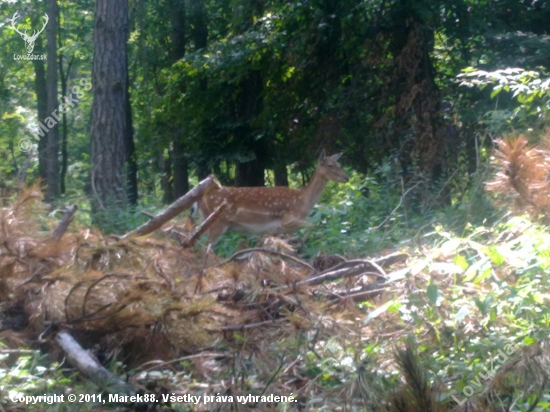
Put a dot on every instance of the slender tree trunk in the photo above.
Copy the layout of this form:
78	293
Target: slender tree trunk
131	159
179	44
181	169
165	166
64	145
52	150
40	86
109	109
199	33
281	174
249	106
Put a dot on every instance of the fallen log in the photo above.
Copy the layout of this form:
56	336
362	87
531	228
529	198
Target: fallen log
90	367
183	203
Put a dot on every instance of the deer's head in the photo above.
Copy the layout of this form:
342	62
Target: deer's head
28	39
330	169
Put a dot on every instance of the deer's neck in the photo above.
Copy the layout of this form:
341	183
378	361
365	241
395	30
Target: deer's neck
312	192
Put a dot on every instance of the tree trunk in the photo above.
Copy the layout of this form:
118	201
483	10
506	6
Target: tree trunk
64	145
52	149
131	155
281	174
181	173
250	173
179	44
109	109
40	86
249	106
165	166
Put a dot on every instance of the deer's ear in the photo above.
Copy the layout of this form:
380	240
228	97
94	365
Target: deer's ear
336	156
322	156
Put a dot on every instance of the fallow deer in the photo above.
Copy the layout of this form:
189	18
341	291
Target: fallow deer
271	210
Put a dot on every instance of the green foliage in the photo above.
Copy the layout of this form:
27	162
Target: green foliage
29	373
528	87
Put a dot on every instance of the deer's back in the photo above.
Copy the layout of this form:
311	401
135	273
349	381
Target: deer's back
261	201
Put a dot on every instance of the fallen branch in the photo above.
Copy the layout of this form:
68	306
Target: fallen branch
204	226
343	272
391	258
183	203
259	249
90	367
383	261
66	219
363	293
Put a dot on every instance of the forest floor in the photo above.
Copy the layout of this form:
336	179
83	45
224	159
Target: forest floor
184	329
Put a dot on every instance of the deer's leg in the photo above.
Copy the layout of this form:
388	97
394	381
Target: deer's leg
217	229
291	224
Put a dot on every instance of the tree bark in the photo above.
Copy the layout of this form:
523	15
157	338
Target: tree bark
248	106
90	367
179	45
249	174
64	143
52	149
109	109
181	168
281	174
131	155
165	166
40	86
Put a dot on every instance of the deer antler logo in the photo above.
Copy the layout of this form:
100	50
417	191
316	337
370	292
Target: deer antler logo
28	39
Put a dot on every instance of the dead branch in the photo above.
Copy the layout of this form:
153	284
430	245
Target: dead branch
259	249
363	293
391	258
204	226
76	286
95	283
246	326
90	367
174	209
343	272
66	219
178	236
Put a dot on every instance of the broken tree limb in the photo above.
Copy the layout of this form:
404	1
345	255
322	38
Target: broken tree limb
362	293
391	258
204	226
183	203
66	219
90	367
361	268
263	250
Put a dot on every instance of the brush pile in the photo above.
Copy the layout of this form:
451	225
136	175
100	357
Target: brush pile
260	323
147	299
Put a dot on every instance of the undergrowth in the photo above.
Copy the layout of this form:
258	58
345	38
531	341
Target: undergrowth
464	298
